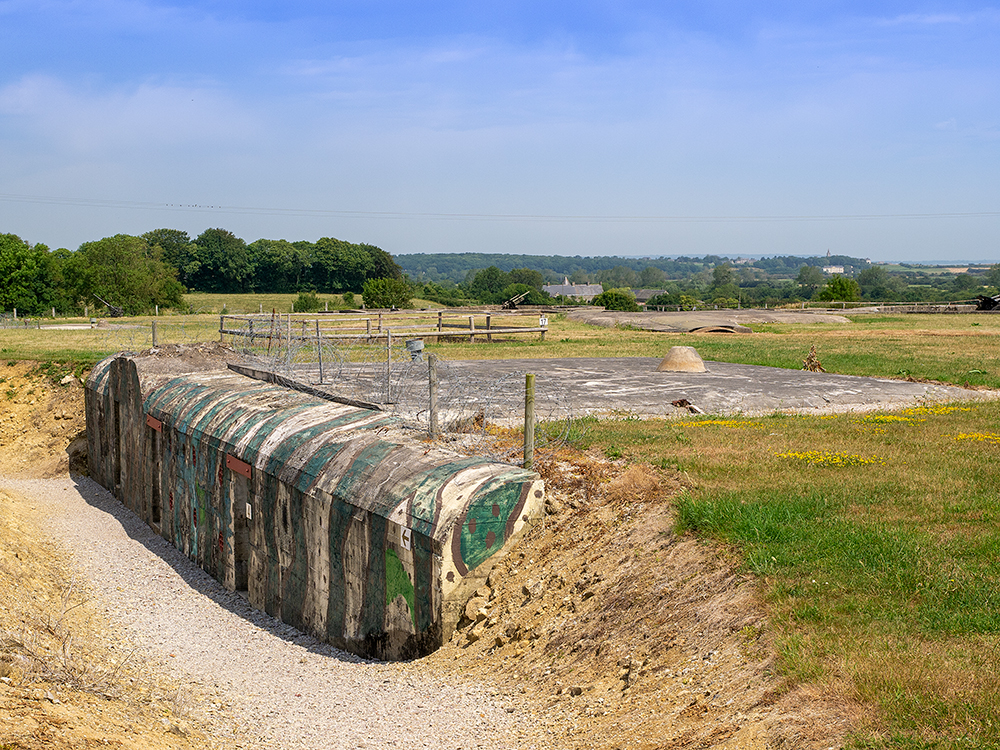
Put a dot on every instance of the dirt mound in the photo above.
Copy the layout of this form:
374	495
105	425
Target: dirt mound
42	420
621	633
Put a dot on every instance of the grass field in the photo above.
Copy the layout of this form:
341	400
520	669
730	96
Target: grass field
875	537
877	541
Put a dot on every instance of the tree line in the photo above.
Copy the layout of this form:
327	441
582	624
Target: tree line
137	273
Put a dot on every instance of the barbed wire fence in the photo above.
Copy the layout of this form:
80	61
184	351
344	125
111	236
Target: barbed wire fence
476	413
127	337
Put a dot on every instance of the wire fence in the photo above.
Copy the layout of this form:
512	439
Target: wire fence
137	337
476	412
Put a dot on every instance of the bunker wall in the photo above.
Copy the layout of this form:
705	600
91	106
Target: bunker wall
369	544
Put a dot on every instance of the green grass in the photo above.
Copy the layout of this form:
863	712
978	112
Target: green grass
88	346
236	304
881	571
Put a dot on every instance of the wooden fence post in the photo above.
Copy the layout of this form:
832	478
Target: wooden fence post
529	421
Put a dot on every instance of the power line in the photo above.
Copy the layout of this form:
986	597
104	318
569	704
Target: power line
439	216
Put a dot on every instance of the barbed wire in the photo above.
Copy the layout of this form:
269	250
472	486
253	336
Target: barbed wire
477	413
127	337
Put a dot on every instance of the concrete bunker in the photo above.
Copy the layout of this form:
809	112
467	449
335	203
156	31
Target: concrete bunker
369	543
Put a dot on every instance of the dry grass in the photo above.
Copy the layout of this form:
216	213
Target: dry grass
880	572
65	680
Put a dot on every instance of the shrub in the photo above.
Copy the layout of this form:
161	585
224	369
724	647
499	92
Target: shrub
841	289
386	293
617	299
306	302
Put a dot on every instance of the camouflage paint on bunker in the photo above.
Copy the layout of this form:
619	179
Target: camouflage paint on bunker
371	544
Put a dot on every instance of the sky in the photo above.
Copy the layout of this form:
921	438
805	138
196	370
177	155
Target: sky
869	129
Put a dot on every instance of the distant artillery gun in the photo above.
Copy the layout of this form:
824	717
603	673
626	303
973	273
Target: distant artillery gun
514	301
988	303
113	311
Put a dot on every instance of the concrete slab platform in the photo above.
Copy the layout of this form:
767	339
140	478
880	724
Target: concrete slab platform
739	321
632	384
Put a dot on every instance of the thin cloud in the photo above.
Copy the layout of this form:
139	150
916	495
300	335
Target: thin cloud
148	115
942	19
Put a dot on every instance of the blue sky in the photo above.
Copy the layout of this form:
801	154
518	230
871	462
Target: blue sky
585	128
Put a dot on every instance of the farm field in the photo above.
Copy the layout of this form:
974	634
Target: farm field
872	539
959	349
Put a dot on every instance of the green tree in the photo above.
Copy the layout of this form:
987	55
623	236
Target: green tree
617	299
280	266
224	263
877	284
527	276
667	298
341	266
840	289
619	277
178	250
810	279
383	266
126	272
488	285
965	283
724	275
652	277
724	289
993	276
382	293
25	276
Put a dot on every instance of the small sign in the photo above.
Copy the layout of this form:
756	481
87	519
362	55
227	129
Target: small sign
543	321
406	537
249	512
156	424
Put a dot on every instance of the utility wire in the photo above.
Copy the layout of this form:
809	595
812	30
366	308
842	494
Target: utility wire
565	218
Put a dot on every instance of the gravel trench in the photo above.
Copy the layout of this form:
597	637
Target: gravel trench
283	689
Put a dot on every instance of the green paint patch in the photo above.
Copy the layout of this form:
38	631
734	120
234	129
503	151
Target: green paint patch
397	582
485	527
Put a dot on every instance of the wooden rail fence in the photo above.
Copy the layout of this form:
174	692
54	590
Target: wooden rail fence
382	325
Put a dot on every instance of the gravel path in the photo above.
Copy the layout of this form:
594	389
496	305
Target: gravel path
284	689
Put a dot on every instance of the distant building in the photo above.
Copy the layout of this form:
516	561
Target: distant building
833	269
642	296
584	292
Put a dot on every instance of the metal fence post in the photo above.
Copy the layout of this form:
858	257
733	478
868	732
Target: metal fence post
388	363
529	421
319	351
432	381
